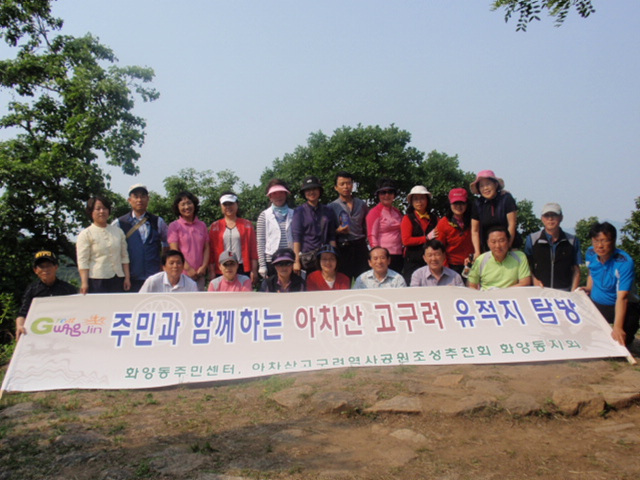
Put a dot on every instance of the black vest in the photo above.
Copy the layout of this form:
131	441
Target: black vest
554	271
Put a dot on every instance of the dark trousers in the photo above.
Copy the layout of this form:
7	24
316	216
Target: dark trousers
354	258
631	320
106	285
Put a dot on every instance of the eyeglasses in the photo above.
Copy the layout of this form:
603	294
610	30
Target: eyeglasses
602	241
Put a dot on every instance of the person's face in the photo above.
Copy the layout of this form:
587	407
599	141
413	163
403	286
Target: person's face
435	259
387	197
186	208
100	213
229	209
173	267
278	198
458	208
284	269
603	245
312	194
551	221
487	188
344	186
328	262
229	270
379	262
46	272
420	202
139	202
498	244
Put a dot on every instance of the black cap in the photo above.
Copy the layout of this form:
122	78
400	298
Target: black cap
310	182
44	256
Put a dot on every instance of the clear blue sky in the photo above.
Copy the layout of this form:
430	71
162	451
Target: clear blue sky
554	111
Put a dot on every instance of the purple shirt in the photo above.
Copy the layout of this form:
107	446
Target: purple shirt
191	239
313	227
423	277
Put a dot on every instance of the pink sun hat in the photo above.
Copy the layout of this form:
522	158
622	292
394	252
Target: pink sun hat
473	186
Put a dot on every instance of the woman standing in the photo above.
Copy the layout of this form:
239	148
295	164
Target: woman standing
417	227
383	224
233	234
454	230
189	235
273	229
494	206
103	260
328	277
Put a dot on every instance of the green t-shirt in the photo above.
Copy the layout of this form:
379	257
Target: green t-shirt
489	273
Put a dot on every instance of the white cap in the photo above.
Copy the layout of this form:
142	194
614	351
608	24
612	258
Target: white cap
138	186
228	198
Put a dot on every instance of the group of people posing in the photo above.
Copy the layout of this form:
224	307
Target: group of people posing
343	245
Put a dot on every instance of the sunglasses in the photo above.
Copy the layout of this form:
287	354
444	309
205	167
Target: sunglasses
284	264
387	192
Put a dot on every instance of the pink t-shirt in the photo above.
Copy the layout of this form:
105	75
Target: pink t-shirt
383	228
242	283
191	239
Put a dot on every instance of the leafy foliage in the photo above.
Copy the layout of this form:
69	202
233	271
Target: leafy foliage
528	222
582	232
530	10
631	237
70	103
208	187
369	153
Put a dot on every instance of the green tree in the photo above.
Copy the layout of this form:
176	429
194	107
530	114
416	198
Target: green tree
631	237
582	232
70	103
530	10
208	186
369	153
528	222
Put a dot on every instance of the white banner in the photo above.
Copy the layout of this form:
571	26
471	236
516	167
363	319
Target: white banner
152	340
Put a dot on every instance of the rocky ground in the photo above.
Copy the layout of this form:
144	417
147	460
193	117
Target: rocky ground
564	420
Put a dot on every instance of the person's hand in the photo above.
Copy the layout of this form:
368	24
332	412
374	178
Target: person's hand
84	288
254	277
537	283
127	284
433	234
20	330
619	336
263	272
202	271
297	267
343	230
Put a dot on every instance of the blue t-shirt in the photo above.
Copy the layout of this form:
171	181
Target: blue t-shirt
615	275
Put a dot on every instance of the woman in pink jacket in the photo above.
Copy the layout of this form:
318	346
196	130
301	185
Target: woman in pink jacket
383	224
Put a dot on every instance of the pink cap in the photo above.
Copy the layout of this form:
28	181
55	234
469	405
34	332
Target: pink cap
457	195
278	188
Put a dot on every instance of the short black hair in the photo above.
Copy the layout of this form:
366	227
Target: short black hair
178	199
381	248
604	227
171	253
342	174
91	205
499	228
435	244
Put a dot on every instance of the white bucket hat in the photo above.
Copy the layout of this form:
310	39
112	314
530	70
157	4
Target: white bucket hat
419	190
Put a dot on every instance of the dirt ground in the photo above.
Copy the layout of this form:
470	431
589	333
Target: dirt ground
544	421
